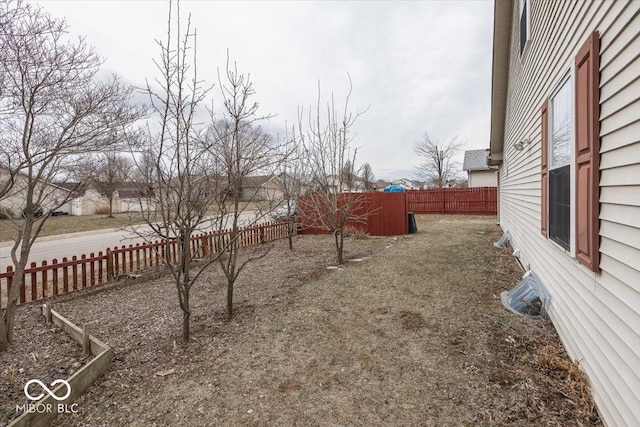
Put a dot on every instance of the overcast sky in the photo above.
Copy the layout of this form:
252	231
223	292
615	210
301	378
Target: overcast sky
421	66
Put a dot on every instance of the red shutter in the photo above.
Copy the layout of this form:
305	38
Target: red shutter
588	152
544	196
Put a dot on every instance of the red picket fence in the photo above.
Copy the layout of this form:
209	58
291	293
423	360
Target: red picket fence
66	276
466	201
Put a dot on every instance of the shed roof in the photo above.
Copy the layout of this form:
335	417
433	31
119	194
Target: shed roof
475	160
256	181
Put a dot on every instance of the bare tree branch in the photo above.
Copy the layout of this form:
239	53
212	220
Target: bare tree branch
53	111
241	149
437	165
174	161
106	173
368	178
328	150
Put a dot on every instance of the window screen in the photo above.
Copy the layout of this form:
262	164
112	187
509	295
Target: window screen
561	153
560	206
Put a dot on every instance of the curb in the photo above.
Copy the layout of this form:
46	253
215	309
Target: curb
9	243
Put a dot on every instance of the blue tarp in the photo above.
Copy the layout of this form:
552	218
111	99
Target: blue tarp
393	188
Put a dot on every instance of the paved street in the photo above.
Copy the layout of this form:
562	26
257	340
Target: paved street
50	247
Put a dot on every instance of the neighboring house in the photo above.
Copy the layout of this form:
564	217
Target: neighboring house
129	197
409	184
357	185
136	197
258	188
88	201
332	184
13	203
380	184
565	132
478	171
456	183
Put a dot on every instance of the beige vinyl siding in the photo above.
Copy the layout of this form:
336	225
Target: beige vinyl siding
627	174
620	137
597	314
487	178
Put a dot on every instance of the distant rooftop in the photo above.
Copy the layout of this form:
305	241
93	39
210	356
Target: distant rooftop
475	160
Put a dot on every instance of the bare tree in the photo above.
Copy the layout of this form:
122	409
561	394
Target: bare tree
367	177
175	161
107	172
240	148
294	174
53	111
437	165
329	150
350	177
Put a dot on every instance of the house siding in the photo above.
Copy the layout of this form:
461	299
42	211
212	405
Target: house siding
15	200
483	178
597	315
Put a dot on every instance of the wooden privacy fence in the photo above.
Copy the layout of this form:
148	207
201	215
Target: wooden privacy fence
60	277
376	213
474	201
385	214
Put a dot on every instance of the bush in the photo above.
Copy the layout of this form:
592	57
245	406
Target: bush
6	213
355	232
102	210
37	214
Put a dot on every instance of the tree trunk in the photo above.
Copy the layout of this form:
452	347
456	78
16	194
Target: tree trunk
229	299
290	234
186	314
9	313
6	327
339	246
183	297
4	341
230	271
111	207
185	259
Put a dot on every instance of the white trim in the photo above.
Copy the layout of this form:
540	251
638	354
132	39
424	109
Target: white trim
567	78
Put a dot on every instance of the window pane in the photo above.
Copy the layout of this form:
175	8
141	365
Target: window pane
561	126
523	26
560	206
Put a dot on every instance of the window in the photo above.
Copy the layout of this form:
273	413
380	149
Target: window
561	154
524	24
570	160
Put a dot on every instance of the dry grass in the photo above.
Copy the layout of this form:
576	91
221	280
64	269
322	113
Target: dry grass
414	334
73	224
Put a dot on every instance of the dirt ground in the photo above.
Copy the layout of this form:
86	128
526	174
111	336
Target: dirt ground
40	351
412	333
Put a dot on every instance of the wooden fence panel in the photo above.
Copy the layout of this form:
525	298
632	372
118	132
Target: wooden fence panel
463	201
381	214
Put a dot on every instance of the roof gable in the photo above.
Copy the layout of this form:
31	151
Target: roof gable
475	160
